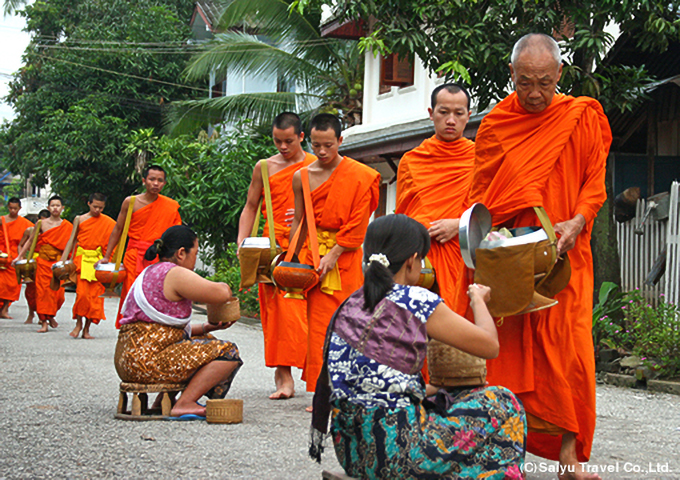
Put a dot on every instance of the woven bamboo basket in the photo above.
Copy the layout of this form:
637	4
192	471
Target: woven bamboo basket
224	312
226	410
450	367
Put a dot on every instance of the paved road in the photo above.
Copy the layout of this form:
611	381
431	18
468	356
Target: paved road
58	396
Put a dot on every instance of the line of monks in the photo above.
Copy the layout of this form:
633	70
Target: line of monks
535	148
92	239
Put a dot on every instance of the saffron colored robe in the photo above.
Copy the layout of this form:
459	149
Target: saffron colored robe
284	321
92	239
432	182
146	225
10	289
342	204
50	246
556	158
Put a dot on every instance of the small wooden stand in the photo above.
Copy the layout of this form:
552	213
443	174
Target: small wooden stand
140	410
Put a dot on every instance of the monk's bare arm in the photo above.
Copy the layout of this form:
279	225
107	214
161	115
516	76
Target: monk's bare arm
72	239
250	213
569	232
117	231
299	212
24	243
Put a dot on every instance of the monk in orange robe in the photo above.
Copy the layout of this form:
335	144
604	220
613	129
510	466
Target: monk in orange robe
152	215
91	232
284	322
540	148
54	235
29	291
434	178
344	194
13	228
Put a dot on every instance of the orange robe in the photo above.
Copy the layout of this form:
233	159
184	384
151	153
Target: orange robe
342	204
9	288
432	182
146	225
93	234
50	246
556	158
284	321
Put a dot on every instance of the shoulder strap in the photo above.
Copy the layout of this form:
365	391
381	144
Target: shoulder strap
36	232
309	220
4	232
550	231
121	242
268	207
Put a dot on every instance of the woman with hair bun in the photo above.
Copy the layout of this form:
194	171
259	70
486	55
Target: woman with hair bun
383	426
157	342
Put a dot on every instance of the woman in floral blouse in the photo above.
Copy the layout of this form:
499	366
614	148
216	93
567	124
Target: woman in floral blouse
382	424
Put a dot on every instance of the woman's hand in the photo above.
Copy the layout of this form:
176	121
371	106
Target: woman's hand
211	327
479	292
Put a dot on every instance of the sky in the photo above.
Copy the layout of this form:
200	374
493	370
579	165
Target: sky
14	42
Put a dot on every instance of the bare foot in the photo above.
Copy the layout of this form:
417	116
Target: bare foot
75	332
570	468
53	323
29	320
43	329
5	315
87	336
285	385
309	409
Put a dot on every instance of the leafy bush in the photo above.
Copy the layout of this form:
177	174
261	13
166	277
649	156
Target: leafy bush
227	270
629	323
656	331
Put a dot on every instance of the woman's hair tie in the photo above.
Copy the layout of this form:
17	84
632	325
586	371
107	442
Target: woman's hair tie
380	258
158	243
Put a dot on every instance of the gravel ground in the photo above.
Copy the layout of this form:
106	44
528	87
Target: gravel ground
59	396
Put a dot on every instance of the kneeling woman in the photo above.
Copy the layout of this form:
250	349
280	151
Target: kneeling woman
157	342
382	424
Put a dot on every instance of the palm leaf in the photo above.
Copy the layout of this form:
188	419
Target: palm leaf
187	116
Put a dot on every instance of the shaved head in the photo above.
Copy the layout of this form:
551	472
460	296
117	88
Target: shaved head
535	43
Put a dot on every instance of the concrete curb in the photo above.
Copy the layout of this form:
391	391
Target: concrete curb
629	381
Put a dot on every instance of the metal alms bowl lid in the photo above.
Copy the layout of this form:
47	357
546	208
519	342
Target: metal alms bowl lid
108	267
475	225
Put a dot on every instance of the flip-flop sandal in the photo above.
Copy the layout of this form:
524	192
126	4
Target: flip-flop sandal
187	417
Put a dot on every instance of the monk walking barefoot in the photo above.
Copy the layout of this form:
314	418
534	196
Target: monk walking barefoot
91	233
569	464
53	237
284	321
11	234
285	385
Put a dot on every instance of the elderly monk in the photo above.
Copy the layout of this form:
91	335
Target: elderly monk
284	322
152	215
434	178
344	193
13	228
53	237
29	291
540	148
91	232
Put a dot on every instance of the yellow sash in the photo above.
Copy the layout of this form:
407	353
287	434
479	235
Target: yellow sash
331	281
87	261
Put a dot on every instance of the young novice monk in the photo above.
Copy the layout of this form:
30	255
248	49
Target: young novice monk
91	232
382	426
54	235
29	291
344	193
14	226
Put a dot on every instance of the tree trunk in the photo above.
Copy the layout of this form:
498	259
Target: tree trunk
606	266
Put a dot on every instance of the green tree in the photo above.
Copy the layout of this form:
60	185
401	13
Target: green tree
93	72
471	40
266	38
208	177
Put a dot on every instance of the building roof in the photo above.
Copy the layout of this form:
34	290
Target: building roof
208	11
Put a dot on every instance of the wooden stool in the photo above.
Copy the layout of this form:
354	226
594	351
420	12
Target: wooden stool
140	410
